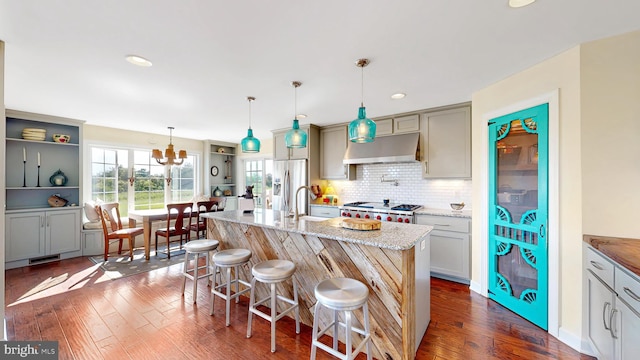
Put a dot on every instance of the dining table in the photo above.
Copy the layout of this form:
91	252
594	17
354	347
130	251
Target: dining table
147	217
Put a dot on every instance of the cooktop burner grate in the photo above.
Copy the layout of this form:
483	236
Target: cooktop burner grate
406	207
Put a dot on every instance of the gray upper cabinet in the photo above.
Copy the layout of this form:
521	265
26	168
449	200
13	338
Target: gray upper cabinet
280	150
398	125
446	143
333	144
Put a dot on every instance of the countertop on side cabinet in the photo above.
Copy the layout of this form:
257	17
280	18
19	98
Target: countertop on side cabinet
393	236
625	252
444	212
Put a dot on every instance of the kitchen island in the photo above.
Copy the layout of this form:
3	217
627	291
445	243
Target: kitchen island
393	262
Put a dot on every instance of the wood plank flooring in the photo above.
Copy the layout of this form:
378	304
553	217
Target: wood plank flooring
145	317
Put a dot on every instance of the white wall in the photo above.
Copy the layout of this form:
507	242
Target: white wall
3	335
610	75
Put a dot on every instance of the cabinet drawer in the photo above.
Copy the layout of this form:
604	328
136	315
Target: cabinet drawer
445	223
628	289
600	266
325	211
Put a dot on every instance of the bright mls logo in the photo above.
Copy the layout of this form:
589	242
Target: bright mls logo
36	350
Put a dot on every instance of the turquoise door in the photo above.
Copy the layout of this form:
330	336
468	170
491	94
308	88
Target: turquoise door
518	207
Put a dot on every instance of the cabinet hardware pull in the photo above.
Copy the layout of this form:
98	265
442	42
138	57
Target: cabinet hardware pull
611	317
597	265
441	225
426	167
632	294
604	317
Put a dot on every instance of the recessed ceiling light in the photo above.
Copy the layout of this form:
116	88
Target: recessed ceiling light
520	3
301	116
138	60
398	96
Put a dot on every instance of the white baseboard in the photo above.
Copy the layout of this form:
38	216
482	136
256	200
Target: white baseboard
475	287
575	342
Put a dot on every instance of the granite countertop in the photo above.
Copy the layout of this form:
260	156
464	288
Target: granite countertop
394	236
626	252
444	212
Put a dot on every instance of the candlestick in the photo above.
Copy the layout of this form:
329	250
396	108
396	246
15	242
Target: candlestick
38	170
24	173
38	158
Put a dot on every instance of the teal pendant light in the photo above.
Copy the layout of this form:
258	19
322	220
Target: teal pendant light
362	129
295	138
250	144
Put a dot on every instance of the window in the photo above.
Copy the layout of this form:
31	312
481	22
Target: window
149	183
183	180
259	173
111	169
109	180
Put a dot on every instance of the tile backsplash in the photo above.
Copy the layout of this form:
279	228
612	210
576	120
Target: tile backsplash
411	189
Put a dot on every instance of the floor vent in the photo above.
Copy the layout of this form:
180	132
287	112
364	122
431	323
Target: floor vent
44	259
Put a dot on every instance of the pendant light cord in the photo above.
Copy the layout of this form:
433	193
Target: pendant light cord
250	113
295	102
362	87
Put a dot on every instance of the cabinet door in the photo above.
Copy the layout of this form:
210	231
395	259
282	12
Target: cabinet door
63	231
600	302
281	152
629	332
24	236
384	127
446	147
333	146
450	254
406	124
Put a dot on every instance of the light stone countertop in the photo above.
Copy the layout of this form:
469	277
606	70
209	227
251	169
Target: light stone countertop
444	212
394	236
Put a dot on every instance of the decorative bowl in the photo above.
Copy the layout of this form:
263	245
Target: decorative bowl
61	138
457	206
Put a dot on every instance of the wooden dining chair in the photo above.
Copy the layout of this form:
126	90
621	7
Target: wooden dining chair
180	227
200	225
222	201
113	230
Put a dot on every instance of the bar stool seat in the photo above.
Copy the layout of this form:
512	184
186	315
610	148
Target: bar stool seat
228	259
273	272
197	247
341	294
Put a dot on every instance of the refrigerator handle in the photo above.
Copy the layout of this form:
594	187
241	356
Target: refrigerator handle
286	185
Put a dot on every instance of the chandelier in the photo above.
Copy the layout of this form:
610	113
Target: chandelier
169	153
362	129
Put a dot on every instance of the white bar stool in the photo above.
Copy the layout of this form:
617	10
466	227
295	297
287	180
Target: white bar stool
227	259
341	294
197	247
273	272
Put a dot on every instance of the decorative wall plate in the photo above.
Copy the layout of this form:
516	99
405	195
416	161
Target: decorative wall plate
214	171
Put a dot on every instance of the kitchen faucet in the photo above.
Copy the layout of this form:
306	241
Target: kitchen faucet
311	194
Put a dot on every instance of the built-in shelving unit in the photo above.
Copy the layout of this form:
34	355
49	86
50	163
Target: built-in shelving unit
35	231
222	165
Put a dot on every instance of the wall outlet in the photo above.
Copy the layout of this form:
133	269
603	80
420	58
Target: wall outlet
423	244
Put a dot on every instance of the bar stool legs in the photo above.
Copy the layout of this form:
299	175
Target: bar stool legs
224	261
273	272
197	247
341	294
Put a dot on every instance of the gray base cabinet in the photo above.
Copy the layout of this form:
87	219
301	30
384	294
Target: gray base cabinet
450	246
41	236
613	305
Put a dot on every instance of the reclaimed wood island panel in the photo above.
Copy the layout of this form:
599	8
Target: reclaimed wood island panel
392	261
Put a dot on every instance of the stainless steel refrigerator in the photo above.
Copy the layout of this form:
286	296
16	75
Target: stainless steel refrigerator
288	176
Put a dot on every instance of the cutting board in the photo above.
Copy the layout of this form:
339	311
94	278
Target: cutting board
361	224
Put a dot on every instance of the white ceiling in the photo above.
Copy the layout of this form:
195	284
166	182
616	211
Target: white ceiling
66	57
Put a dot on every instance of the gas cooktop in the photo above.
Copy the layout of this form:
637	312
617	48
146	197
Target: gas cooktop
382	206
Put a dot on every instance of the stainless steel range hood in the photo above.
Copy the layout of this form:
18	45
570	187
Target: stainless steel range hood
385	149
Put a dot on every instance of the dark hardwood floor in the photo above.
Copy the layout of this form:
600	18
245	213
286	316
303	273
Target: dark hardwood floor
144	317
